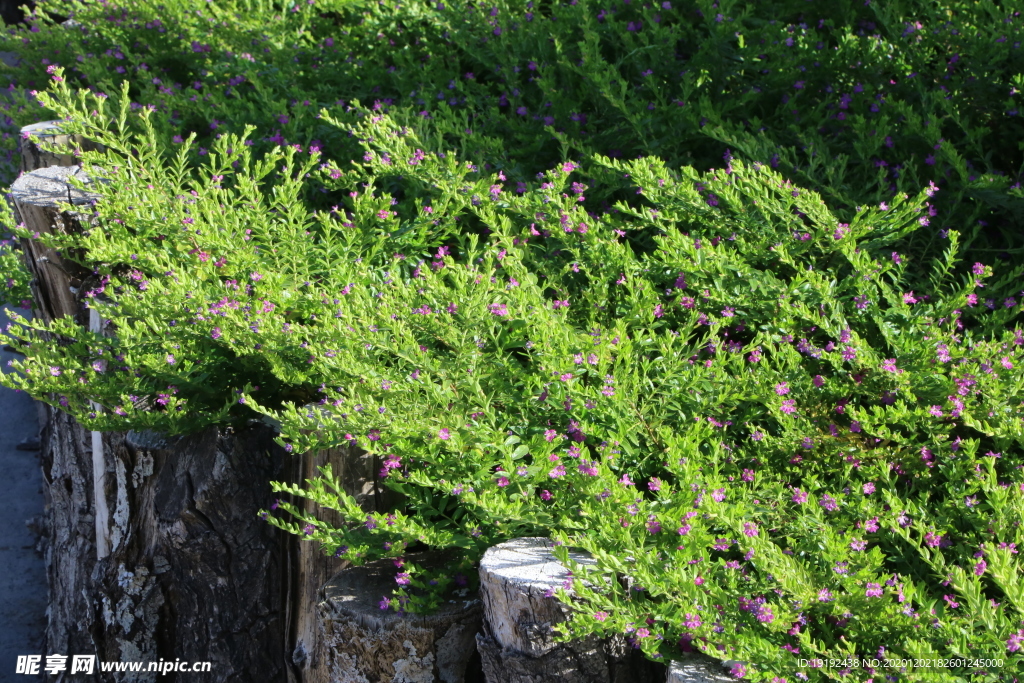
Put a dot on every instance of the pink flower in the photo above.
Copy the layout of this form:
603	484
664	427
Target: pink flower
444	435
781	389
799	496
909	298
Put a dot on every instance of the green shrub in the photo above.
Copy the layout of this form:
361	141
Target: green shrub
782	413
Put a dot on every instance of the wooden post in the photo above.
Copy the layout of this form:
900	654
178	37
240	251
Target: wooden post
365	643
32	158
36	196
516	645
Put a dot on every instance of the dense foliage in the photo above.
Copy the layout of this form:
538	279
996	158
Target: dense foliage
747	329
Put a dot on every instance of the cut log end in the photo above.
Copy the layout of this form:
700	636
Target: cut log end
518	644
515	578
697	669
48	187
364	642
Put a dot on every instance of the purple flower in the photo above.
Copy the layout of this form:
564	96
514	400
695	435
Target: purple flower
444	435
874	590
718	495
781	389
799	496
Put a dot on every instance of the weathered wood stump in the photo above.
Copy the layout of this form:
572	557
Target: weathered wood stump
57	279
308	568
33	157
697	669
33	154
368	645
516	645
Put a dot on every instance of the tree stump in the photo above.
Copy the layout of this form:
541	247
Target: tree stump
697	669
309	568
517	647
56	279
365	644
34	157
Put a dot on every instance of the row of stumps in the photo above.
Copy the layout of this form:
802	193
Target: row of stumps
507	626
502	635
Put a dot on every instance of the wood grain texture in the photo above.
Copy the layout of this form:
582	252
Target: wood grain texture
33	154
697	669
368	645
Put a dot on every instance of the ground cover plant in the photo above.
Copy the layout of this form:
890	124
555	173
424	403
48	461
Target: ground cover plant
747	328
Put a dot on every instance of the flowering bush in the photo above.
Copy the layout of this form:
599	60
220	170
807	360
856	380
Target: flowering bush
783	422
